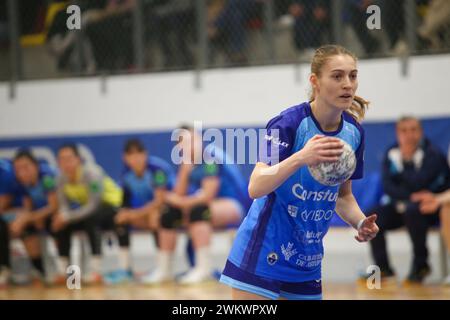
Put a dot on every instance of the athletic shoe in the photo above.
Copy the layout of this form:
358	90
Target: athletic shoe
92	278
4	277
156	277
386	276
37	279
417	275
55	280
446	281
117	277
195	276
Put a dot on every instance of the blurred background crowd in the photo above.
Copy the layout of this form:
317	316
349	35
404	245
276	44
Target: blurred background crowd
125	36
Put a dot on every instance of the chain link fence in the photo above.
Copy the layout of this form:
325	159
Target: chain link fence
134	36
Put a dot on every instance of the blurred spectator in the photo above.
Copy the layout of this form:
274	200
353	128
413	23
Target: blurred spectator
431	202
108	28
412	165
227	27
62	42
4	29
311	21
37	181
88	201
356	16
436	19
171	23
110	31
394	22
207	195
144	185
31	15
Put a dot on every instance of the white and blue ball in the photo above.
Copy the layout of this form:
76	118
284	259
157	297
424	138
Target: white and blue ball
335	173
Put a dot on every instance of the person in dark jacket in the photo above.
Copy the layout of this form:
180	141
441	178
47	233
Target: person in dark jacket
311	22
410	166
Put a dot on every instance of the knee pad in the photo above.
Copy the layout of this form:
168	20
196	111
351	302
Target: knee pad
171	217
200	213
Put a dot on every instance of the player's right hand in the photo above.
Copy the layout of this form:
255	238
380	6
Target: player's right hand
58	222
320	149
122	217
368	229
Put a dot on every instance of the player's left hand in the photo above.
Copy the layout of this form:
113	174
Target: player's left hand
18	225
368	229
428	202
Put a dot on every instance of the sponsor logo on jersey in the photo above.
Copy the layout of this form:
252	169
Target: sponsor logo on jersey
288	251
308	237
309	261
292	210
302	194
316	215
272	258
276	141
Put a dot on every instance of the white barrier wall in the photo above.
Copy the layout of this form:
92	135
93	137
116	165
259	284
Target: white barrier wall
228	97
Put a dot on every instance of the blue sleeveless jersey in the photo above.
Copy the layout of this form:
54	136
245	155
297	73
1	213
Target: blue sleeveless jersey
8	183
281	236
138	191
6	177
46	184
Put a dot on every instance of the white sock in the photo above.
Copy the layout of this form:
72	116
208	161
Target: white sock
124	258
164	261
95	264
203	259
61	264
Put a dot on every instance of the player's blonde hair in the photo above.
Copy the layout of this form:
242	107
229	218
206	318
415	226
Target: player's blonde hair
321	56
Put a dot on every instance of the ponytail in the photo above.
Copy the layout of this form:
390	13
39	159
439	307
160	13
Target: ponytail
358	108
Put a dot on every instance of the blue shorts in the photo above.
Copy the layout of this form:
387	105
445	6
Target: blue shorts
269	288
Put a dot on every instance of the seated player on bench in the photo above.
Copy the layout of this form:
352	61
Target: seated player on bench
38	186
205	196
144	184
88	201
10	203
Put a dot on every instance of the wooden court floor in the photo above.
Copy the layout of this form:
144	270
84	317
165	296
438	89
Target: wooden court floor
216	291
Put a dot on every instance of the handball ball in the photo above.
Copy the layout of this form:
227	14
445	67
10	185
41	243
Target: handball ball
335	173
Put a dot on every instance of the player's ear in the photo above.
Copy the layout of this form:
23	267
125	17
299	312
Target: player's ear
313	79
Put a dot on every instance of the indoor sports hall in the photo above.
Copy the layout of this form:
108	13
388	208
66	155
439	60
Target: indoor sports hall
101	87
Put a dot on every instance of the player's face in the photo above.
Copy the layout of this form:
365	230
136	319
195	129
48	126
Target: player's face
25	171
68	161
136	160
338	81
409	133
